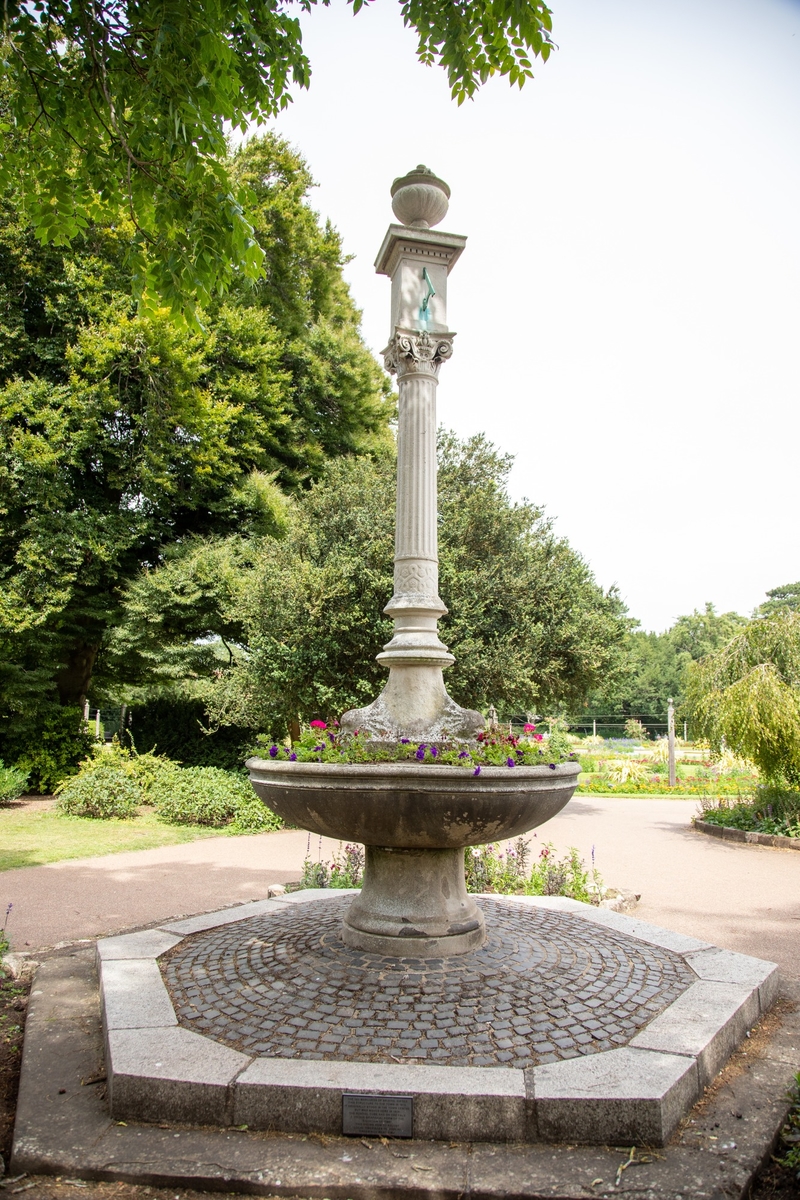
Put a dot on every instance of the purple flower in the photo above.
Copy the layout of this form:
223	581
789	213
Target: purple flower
420	753
404	741
477	771
273	751
552	766
318	749
510	762
434	751
292	757
464	754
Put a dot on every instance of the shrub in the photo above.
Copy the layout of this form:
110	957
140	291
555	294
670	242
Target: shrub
769	810
176	726
49	747
635	730
106	791
346	870
12	783
210	796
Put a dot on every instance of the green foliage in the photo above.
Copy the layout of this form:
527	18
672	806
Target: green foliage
127	442
12	783
653	666
771	810
526	622
119	111
512	873
789	1144
346	870
494	749
176	727
781	599
45	741
746	696
105	791
208	796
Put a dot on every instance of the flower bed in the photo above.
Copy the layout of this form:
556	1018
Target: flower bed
320	744
770	810
658	786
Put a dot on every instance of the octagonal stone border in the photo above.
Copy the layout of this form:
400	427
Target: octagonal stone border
159	1071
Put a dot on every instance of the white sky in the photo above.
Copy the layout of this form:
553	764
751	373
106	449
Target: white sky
628	305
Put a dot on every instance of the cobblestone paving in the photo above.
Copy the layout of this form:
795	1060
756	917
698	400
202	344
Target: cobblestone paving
545	986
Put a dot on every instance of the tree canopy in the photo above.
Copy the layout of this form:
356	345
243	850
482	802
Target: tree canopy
653	667
119	109
302	618
746	696
124	434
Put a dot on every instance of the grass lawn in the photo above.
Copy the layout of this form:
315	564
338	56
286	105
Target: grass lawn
35	833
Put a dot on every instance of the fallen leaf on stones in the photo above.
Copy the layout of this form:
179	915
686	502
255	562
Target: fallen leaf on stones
419	1167
75	1182
595	1183
90	1079
395	1155
24	1187
364	1142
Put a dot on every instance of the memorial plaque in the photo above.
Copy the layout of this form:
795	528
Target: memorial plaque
377	1116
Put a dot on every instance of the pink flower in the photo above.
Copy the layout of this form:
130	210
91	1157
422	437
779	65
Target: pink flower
529	728
538	737
318	725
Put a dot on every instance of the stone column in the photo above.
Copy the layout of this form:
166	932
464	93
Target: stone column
414	702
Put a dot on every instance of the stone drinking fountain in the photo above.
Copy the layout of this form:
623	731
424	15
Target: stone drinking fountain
390	1013
415	820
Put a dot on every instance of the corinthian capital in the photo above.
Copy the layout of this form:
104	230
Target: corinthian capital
417	353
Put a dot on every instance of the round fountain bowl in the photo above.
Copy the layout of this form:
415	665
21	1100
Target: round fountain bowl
410	806
415	822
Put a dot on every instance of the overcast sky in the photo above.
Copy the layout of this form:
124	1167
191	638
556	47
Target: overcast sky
628	305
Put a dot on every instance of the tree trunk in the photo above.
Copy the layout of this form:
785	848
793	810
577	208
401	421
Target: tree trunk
75	675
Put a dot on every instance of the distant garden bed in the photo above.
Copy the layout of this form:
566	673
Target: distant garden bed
769	810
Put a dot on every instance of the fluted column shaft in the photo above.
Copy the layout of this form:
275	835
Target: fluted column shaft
415	605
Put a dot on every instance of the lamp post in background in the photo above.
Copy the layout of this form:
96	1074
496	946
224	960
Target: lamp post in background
671	741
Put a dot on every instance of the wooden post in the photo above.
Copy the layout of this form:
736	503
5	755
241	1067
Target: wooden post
97	723
594	727
671	737
685	732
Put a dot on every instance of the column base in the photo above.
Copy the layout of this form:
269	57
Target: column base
414	704
414	904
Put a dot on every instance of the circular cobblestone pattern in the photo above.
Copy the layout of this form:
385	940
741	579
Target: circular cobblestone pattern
545	986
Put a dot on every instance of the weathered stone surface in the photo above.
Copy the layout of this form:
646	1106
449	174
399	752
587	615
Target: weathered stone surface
547	985
62	1128
620	1097
147	943
707	1022
679	943
171	1074
133	995
723	966
448	1103
227	916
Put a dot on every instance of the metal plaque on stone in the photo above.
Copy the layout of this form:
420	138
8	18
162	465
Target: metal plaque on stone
377	1115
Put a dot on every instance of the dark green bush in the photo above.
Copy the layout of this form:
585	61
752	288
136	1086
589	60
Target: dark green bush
106	791
175	727
12	783
771	810
47	747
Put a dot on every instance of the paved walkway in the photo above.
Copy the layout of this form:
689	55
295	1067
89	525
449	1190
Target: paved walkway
743	897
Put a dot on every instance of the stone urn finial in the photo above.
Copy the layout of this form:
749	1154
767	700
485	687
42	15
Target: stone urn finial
420	198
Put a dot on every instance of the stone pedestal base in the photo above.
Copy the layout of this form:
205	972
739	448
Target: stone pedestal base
414	704
414	904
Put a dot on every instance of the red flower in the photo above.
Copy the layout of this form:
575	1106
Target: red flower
529	728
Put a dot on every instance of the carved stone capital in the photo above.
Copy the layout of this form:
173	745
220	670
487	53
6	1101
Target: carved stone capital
417	353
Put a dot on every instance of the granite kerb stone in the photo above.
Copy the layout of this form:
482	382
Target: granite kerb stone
158	1070
618	1097
450	1103
706	1023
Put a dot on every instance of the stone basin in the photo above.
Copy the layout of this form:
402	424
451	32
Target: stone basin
415	821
